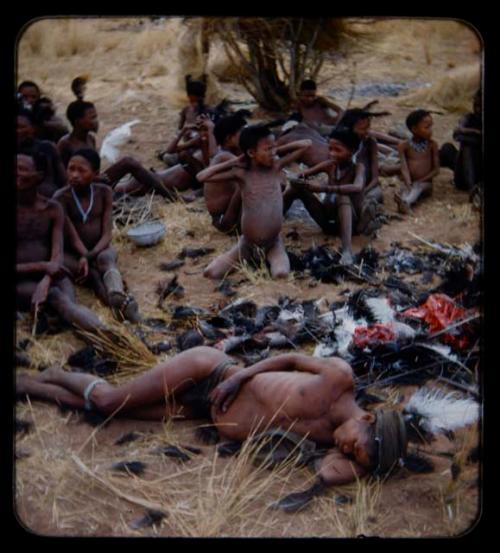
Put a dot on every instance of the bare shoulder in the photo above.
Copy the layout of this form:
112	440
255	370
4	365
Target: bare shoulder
63	141
102	189
53	207
403	146
62	194
434	145
341	367
222	156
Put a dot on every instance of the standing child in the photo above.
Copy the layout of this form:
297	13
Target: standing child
88	225
419	160
260	180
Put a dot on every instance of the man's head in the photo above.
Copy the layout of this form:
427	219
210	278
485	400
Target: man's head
376	440
83	167
307	92
25	127
30	169
343	144
195	90
258	145
419	122
227	131
83	115
29	92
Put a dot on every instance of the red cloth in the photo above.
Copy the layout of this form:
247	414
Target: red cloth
439	312
364	336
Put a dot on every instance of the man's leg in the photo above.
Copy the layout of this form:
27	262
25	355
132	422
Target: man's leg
113	282
149	389
344	210
62	298
227	261
278	259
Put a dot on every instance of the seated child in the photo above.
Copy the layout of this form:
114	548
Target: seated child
88	226
41	277
466	163
316	111
54	177
358	121
260	179
345	200
50	126
419	160
223	199
28	93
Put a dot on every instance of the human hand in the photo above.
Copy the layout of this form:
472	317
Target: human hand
224	393
55	269
83	269
41	292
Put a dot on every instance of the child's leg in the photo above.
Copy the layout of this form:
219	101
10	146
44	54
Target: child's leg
278	259
227	261
417	190
62	298
389	169
113	282
71	263
129	165
319	212
344	210
232	214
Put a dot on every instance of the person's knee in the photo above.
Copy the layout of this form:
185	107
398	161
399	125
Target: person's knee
105	260
211	273
281	273
130	161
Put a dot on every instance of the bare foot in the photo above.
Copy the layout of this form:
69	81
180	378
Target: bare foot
346	258
403	206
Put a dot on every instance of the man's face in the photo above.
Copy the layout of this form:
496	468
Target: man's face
30	94
353	439
339	152
27	177
89	121
307	97
265	152
362	127
24	130
80	173
423	129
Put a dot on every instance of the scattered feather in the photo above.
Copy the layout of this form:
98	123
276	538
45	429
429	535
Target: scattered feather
381	309
130	467
149	519
442	412
127	437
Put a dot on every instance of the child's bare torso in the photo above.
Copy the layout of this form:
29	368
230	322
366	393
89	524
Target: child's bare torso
218	194
90	232
34	232
420	164
262	200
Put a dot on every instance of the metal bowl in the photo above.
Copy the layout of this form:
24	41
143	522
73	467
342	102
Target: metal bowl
147	234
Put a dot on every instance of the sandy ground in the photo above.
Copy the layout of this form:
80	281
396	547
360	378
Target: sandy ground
64	485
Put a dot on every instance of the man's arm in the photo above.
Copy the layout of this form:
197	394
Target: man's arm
223	395
107	225
293	151
335	469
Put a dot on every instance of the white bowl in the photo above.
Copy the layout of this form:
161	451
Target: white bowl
147	234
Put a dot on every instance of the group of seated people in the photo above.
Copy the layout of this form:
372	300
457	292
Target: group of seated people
64	235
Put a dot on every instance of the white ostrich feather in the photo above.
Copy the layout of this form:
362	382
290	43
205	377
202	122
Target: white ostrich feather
344	330
381	309
443	350
442	412
115	139
324	350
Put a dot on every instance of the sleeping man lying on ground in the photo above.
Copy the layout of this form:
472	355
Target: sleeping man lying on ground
311	395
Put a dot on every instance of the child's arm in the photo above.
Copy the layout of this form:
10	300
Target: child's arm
226	170
174	146
435	163
405	171
182	118
327	103
293	151
107	219
374	166
355	187
323	167
208	142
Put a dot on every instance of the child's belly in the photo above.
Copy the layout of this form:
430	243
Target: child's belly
419	168
261	223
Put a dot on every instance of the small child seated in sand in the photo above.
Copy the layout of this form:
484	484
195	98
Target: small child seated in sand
88	226
259	174
419	160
